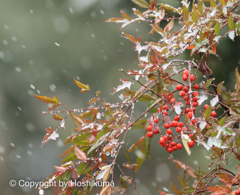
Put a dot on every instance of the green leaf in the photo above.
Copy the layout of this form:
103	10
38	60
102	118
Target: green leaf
181	181
130	37
123	182
147	146
209	81
230	22
200	9
226	97
175	189
219	87
217	28
237	141
185	13
70	157
222	2
77	140
127	155
125	15
212	3
208	112
84	88
105	131
140	124
81	167
141	156
222	120
93	100
137	144
188	190
47	100
141	3
237	26
77	120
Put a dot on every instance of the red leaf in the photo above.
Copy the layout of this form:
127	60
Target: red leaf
79	153
57	117
47	100
75	174
214	48
191	47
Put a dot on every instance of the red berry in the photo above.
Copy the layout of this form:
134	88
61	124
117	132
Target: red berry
191	144
187	110
188	102
173	144
165	137
192	78
181	124
196	86
213	114
195	93
174	148
155	131
163	145
149	128
173	100
166	107
185	129
190	115
190	135
169	131
186	72
166	125
165	113
174	124
185	98
176	118
161	140
170	150
237	192
206	106
170	137
184	77
178	129
185	89
195	104
158	110
182	93
179	146
155	120
195	99
179	87
150	134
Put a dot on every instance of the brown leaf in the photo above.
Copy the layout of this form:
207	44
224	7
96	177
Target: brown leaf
79	153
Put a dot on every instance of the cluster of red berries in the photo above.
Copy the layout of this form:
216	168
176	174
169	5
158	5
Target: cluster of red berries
150	129
213	113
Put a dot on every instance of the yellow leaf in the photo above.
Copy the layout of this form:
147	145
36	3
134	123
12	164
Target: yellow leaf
47	100
185	140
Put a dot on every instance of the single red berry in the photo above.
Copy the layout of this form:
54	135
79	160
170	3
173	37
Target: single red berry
181	124
190	115
165	137
186	72
178	129
195	93
192	78
195	104
185	89
179	87
206	106
155	131
161	140
191	144
149	128
184	77
196	86
190	135
182	93
158	110
176	118
170	137
237	192
155	120
179	146
174	148
173	144
185	98
194	110
163	145
169	131
166	107
173	100
188	102
170	150
166	125
174	124
213	114
193	121
165	113
195	99
150	134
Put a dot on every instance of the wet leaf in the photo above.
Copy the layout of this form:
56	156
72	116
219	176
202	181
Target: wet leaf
219	87
217	28
137	144
77	120
84	88
230	22
93	100
207	112
141	3
224	177
123	182
125	15
57	117
141	156
79	153
48	100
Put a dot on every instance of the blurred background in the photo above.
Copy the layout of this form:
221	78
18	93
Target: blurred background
43	45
